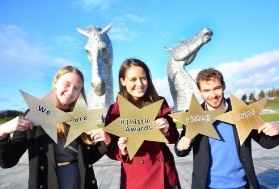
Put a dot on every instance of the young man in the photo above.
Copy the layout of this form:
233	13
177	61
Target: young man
223	164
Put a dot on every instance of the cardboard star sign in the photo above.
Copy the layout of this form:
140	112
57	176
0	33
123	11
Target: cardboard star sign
197	120
244	117
136	124
43	112
82	119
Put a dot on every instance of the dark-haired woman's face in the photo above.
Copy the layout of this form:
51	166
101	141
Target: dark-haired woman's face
68	87
135	82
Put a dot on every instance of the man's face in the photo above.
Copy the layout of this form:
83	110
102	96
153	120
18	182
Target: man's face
213	93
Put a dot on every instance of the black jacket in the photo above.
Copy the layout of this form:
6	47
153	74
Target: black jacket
42	164
201	155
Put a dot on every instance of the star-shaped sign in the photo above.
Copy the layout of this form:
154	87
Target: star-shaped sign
136	124
245	117
197	120
82	119
43	112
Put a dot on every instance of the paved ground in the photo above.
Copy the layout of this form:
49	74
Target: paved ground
108	171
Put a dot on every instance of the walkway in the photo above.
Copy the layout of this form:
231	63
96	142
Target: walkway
108	172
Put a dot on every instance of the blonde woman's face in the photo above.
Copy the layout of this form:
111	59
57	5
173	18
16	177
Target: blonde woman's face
135	81
68	87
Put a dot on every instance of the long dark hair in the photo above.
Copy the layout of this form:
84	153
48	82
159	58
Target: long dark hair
150	95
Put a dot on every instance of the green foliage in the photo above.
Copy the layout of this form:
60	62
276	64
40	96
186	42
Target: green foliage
273	105
244	98
10	113
178	125
261	95
270	117
6	119
7	115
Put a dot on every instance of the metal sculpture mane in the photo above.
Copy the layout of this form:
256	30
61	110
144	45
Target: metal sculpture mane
181	84
99	51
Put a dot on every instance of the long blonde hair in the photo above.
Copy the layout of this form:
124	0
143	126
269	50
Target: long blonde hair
63	128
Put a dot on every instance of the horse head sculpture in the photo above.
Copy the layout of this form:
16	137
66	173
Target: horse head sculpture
99	51
181	84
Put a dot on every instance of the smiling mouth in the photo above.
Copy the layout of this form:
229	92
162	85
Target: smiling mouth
141	91
67	97
214	100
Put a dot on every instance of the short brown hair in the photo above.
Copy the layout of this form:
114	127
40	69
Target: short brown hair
208	74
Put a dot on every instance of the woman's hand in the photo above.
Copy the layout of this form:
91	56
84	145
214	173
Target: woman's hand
100	135
163	125
16	124
184	143
122	145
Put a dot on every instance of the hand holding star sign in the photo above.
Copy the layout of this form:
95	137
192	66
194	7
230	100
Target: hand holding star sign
136	124
244	117
43	112
198	121
162	124
99	135
16	124
184	143
122	144
82	119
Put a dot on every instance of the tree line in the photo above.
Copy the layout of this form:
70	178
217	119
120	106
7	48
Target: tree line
10	113
272	94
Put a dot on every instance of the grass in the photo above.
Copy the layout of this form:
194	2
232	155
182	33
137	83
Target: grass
270	117
100	126
178	125
272	105
6	119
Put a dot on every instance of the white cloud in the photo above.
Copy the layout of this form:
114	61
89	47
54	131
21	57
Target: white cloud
25	65
90	5
253	74
135	18
194	73
67	41
4	100
274	79
162	87
123	33
122	30
251	64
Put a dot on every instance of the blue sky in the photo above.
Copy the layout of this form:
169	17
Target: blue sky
39	37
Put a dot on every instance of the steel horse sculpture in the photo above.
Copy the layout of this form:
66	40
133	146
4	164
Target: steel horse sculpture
181	84
100	55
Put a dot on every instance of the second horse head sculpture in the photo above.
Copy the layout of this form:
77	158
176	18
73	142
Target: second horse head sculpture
182	85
